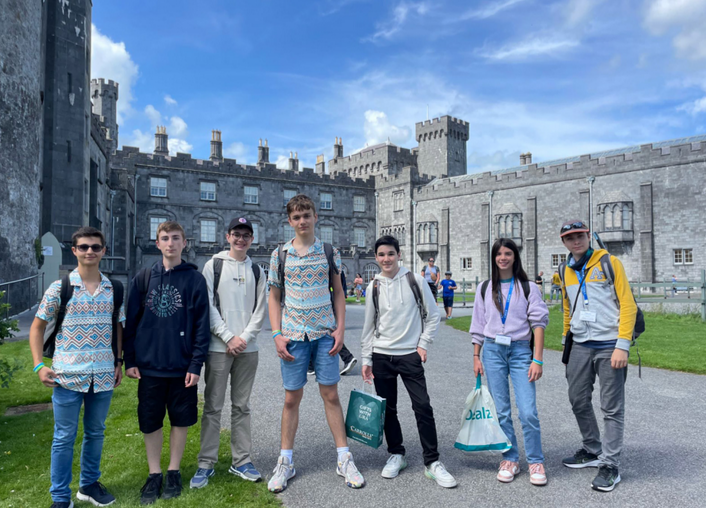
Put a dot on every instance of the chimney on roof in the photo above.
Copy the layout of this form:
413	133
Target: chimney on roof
263	153
161	141
216	146
338	148
293	162
528	158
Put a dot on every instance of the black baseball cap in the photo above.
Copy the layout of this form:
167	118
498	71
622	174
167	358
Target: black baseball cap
240	222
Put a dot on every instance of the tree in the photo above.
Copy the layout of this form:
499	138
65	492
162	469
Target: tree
7	326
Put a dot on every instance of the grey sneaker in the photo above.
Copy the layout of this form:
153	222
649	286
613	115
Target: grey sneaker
351	474
437	472
395	464
201	477
284	471
246	472
348	366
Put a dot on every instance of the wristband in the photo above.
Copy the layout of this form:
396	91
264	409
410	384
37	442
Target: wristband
274	335
275	332
537	362
38	367
477	356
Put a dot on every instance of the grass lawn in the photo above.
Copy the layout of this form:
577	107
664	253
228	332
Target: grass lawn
670	341
25	448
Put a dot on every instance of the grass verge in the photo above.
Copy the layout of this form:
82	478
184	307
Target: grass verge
670	341
25	450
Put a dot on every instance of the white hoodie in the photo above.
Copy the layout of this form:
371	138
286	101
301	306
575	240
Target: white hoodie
237	301
399	323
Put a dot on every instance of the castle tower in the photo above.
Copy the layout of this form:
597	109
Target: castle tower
338	148
442	146
293	162
263	153
161	141
216	146
104	95
320	165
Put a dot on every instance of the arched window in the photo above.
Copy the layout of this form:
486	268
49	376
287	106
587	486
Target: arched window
617	217
608	213
627	223
508	226
516	226
432	233
426	233
419	233
370	271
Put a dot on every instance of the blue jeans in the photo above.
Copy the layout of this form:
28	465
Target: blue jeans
303	351
514	361
67	407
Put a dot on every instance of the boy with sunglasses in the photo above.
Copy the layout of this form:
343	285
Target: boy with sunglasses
237	312
601	318
84	370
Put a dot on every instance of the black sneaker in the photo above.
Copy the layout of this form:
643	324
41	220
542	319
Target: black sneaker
173	486
151	489
581	459
606	479
348	366
62	504
96	493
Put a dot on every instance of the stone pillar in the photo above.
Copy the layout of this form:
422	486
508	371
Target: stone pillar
484	241
647	255
529	242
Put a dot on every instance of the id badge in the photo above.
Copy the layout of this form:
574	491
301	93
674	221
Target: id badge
503	340
588	316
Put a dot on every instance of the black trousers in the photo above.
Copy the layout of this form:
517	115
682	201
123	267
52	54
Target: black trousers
409	367
346	356
434	289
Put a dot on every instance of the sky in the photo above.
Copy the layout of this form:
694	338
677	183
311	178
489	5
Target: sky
556	79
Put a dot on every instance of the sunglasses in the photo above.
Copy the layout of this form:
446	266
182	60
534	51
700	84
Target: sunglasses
83	247
573	225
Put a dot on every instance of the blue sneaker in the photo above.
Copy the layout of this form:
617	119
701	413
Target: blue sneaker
246	472
201	477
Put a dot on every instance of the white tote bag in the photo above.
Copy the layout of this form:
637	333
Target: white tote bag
480	430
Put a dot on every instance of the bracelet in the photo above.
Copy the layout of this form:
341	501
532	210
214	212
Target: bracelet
274	335
477	356
275	332
38	367
537	362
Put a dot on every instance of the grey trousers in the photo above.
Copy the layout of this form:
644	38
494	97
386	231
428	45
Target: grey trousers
584	364
241	369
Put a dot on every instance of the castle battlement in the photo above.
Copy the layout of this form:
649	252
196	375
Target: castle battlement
446	119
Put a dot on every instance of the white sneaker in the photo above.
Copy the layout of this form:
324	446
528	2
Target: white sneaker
437	472
349	472
284	471
395	464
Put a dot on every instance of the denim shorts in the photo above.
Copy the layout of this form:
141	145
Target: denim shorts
325	365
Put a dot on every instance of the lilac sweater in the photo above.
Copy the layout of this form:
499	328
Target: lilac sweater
487	320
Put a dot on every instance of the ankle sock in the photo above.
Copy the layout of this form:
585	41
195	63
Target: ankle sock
287	453
341	452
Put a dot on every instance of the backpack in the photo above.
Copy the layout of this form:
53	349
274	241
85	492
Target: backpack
332	270
67	291
217	269
416	291
525	290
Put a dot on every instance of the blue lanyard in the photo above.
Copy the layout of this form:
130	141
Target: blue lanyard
582	278
507	302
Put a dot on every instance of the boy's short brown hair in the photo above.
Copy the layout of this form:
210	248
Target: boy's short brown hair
87	231
170	226
299	203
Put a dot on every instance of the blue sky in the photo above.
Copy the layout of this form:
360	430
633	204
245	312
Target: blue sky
554	78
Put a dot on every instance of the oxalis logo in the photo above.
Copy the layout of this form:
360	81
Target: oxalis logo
480	414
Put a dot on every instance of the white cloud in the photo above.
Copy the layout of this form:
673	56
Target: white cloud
686	18
282	162
177	127
237	151
489	10
400	14
578	11
492	161
530	47
168	99
154	116
378	128
142	140
179	145
111	60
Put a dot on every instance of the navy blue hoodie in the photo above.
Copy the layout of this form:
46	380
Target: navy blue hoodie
173	335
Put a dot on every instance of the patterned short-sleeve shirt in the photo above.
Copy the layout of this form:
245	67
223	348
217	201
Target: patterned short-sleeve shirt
307	299
83	354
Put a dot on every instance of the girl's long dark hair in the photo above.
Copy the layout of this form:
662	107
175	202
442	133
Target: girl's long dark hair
517	270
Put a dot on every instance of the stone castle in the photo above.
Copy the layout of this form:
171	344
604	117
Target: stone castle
644	201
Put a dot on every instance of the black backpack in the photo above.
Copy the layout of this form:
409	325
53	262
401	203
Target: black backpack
332	270
416	291
217	269
67	291
525	290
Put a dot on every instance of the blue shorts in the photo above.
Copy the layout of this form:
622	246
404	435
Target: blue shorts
448	301
325	365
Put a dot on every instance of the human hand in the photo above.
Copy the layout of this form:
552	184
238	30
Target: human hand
47	377
422	354
367	372
191	379
281	345
477	366
619	359
235	346
118	375
535	372
337	335
133	373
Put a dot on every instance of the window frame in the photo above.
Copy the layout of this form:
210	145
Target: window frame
286	237
255	232
321	233
561	258
682	254
356	239
359	203
247	195
466	263
202	223
153	186
322	202
207	192
156	224
284	195
398	201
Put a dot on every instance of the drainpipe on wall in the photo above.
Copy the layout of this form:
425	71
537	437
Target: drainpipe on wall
112	232
590	180
490	234
377	233
414	236
134	215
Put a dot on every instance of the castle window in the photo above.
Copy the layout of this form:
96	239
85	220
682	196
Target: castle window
509	226
359	237
158	187
466	263
398	201
683	256
250	195
289	194
616	215
326	201
208	231
288	232
370	271
154	224
326	233
208	191
432	233
358	203
255	232
557	259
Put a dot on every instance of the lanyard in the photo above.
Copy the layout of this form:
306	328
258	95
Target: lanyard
507	302
582	278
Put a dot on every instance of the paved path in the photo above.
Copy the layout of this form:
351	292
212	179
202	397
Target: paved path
663	461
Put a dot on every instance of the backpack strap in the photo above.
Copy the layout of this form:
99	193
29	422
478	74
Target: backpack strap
562	277
256	274
483	289
217	270
376	305
118	296
282	254
332	270
67	291
609	273
417	292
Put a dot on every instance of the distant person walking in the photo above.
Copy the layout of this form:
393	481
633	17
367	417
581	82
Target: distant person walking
358	282
432	275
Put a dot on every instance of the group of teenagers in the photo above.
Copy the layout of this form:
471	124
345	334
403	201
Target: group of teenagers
179	319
